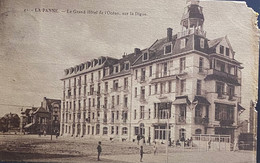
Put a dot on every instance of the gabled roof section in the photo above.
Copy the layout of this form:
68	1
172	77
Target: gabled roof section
215	42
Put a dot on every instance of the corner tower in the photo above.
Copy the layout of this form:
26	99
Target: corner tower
192	19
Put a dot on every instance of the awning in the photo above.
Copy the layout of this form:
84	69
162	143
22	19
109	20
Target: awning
166	78
240	109
181	100
201	100
28	125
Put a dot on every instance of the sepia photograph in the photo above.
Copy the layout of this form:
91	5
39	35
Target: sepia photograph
171	81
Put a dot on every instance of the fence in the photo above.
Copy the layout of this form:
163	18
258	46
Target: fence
212	142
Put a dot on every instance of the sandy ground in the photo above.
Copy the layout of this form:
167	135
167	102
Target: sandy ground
34	148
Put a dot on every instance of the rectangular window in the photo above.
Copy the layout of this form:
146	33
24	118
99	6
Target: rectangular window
99	75
105	102
112	129
125	83
202	42
182	64
143	74
162	88
125	100
117	100
168	49
141	112
201	62
170	86
106	86
150	89
155	88
230	91
183	86
136	73
220	89
198	87
93	103
134	114
221	49
227	51
115	85
142	92
165	69
151	71
155	111
224	112
117	115
135	91
127	66
145	56
106	71
113	102
149	113
91	91
92	77
116	69
184	42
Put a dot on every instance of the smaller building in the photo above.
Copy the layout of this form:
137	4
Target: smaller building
42	120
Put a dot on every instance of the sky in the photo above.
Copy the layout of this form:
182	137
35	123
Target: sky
36	47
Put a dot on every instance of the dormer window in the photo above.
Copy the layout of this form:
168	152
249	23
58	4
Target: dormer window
221	49
145	56
127	66
168	49
227	52
184	42
202	43
100	61
106	71
116	69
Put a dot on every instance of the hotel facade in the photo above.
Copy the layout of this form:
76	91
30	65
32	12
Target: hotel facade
184	82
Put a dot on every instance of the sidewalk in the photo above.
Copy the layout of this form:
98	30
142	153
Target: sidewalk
189	157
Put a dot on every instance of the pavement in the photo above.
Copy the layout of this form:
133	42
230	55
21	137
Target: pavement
190	157
68	149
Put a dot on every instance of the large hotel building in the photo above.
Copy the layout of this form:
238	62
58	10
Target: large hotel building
185	80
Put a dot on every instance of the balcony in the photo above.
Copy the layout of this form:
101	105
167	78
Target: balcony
142	99
201	121
181	120
213	74
226	122
191	31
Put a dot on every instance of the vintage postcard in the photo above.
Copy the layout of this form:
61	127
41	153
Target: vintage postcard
128	81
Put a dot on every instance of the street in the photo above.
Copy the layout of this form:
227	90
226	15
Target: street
34	148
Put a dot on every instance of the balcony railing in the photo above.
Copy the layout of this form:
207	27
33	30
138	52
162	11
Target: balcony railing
181	120
201	121
226	122
191	31
224	75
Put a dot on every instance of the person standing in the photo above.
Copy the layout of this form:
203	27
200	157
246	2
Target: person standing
154	148
99	150
141	153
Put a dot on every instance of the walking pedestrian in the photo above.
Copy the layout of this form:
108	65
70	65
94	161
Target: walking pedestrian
141	153
138	139
99	150
154	148
209	144
235	145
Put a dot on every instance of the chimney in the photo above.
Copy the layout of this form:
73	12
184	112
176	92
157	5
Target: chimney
169	34
137	51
